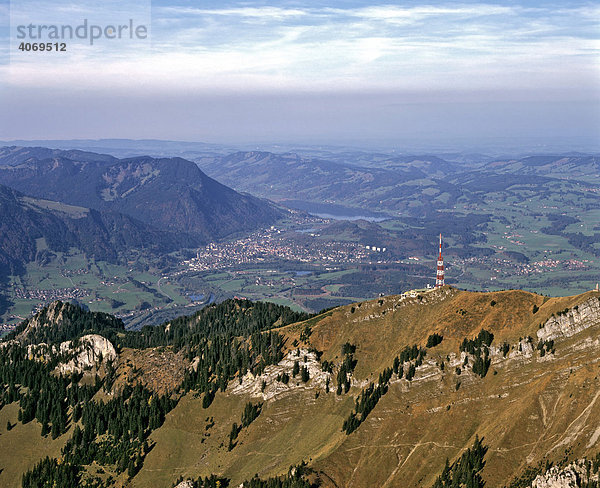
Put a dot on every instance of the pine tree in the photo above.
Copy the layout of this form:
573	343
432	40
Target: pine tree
304	374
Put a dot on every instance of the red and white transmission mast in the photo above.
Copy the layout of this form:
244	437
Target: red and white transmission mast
439	278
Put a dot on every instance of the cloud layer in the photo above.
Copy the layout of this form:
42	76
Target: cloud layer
469	46
346	69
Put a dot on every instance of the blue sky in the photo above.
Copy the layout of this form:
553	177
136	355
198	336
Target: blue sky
312	72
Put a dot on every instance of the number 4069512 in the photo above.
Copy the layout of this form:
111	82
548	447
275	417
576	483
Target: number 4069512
43	46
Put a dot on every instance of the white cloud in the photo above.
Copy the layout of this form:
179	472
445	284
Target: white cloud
377	47
263	13
395	14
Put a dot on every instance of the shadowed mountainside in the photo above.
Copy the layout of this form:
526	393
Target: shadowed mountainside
32	229
168	193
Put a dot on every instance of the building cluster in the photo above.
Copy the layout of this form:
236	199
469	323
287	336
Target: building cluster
273	245
52	294
375	248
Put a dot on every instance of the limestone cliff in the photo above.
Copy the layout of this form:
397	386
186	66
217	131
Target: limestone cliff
570	476
88	352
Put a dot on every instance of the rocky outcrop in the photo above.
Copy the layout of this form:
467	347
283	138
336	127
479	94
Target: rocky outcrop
185	484
253	384
524	349
568	477
53	314
89	351
572	321
77	356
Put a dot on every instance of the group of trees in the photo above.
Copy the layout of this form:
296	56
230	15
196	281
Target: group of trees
239	318
283	378
414	353
296	369
124	424
434	339
464	472
479	348
297	477
221	357
227	339
370	396
482	363
346	368
41	395
250	413
484	338
211	481
49	473
114	433
364	404
545	346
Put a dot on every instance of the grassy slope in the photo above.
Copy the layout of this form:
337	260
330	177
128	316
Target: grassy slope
23	446
523	411
289	430
524	414
383	336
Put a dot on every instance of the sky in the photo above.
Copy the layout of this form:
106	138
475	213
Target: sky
389	74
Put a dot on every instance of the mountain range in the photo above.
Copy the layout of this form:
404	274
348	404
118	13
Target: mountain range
400	186
168	193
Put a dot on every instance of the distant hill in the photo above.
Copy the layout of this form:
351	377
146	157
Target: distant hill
168	193
16	155
416	185
292	177
32	229
573	165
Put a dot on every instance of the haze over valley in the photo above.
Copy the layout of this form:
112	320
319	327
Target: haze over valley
149	236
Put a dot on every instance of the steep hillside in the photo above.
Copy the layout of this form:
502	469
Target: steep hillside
379	393
31	229
169	193
528	408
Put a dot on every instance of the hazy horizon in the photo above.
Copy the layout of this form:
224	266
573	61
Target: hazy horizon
469	75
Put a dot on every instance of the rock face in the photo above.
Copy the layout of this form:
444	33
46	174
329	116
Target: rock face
571	321
54	315
252	384
91	350
185	484
568	477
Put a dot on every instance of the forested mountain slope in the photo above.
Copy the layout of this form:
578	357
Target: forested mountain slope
412	390
168	193
32	229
